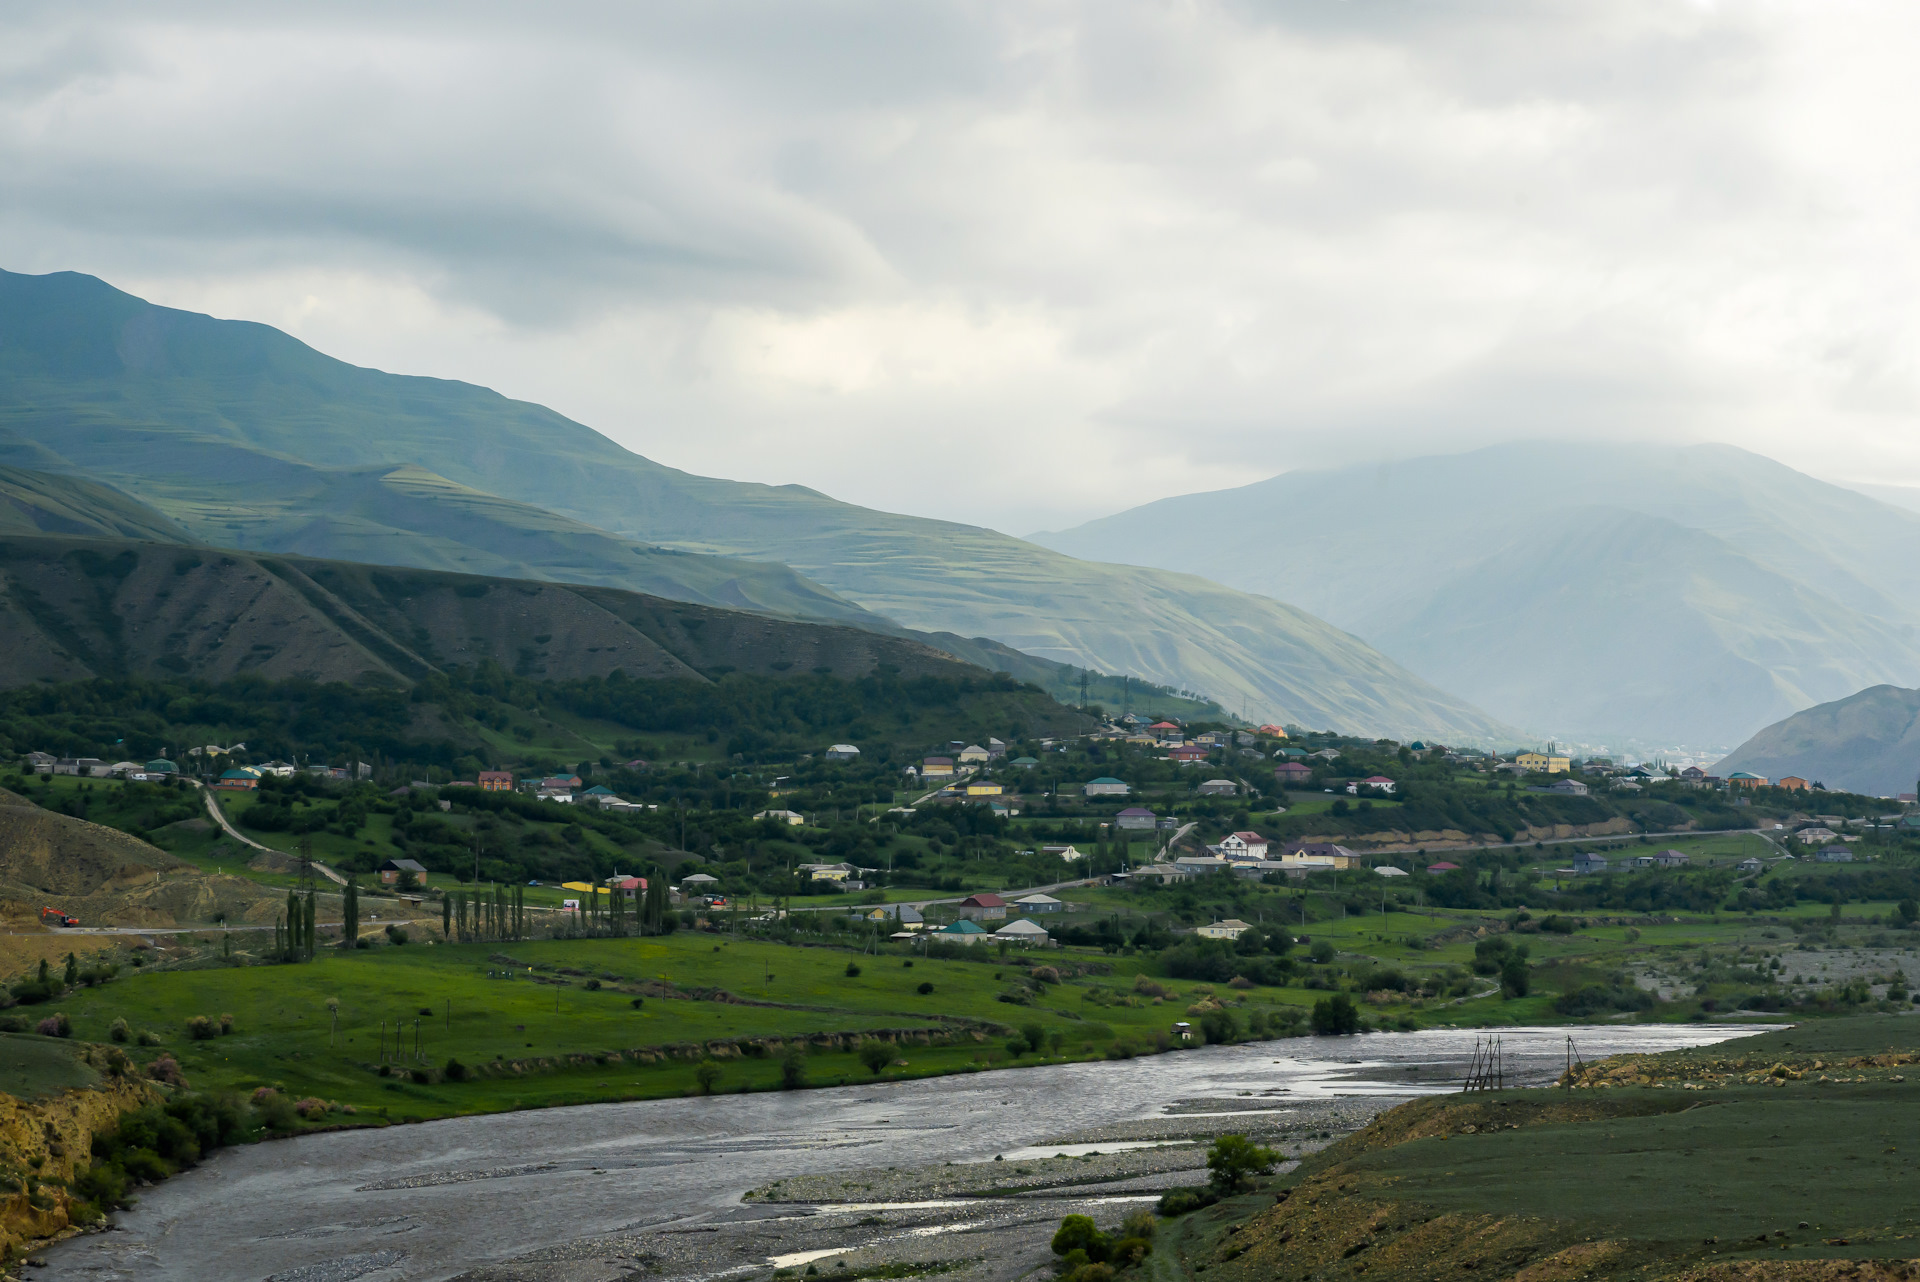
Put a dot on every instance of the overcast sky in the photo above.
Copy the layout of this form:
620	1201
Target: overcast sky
1029	263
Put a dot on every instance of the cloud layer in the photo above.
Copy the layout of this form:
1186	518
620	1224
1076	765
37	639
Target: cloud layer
1022	263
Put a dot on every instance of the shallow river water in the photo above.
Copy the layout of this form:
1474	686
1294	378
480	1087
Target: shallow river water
536	1195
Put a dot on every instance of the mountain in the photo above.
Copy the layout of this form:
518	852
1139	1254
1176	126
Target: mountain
1867	742
77	608
1680	595
200	417
40	503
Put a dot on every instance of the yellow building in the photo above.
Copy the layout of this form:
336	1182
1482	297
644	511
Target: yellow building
1540	761
983	788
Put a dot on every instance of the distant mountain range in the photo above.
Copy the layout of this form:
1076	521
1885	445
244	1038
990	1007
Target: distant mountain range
1867	742
1678	595
241	436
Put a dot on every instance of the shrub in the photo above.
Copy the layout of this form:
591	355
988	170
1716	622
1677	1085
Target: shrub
455	1071
276	1112
56	1025
1322	952
310	1108
1147	988
1138	1224
167	1069
706	1074
793	1067
200	1028
1180	1201
593	985
396	934
1079	1233
924	989
853	970
1035	1035
148	1037
876	1055
638	1002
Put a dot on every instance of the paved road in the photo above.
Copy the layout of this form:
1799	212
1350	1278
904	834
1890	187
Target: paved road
1567	841
219	816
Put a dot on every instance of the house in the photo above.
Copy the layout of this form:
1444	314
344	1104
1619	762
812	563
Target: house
1671	859
1218	788
1833	855
82	766
240	779
1164	730
1191	754
792	818
1816	836
698	883
1291	773
596	792
1022	931
1231	928
1543	763
1274	732
1211	739
1379	783
394	869
906	915
1258	869
1025	763
1163	873
828	872
1442	867
1182	1031
1587	862
41	762
1134	819
1243	845
983	788
936	768
1792	783
1200	865
1750	864
1325	754
963	931
974	755
1039	904
1568	788
1340	855
996	748
627	887
985	906
496	781
1105	786
1385	870
161	766
1693	774
843	752
1068	853
1741	779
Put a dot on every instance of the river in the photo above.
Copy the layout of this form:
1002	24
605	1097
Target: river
564	1194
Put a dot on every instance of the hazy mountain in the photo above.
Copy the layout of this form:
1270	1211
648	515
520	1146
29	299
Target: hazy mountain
1868	742
198	416
77	608
40	503
1685	594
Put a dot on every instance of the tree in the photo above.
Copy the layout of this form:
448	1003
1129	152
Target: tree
1035	1035
876	1055
73	971
793	1068
1908	912
1080	1233
706	1074
1234	1160
1335	1015
1514	977
307	931
446	918
350	914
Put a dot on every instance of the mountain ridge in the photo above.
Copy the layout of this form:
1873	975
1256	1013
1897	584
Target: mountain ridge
183	410
1868	742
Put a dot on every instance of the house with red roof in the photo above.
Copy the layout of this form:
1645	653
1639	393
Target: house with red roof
1379	783
985	906
1442	867
1239	846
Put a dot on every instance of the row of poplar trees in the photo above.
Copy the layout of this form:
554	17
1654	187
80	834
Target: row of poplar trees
295	936
500	913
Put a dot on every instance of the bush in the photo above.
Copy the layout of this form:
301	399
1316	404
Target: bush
593	985
396	934
1335	1016
1322	952
200	1028
1181	1201
57	1025
226	1025
1593	999
167	1069
1234	1160
118	1031
924	989
706	1074
793	1068
853	970
31	992
876	1055
310	1108
455	1071
1079	1233
148	1037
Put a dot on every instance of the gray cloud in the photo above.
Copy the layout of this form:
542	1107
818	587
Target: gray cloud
1018	263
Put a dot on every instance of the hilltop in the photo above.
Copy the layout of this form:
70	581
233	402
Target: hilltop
236	432
1867	742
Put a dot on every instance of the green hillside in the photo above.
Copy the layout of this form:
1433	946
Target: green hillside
199	417
40	503
1582	590
1868	742
77	608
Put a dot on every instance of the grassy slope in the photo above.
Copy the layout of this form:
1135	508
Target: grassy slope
193	414
34	1067
283	1026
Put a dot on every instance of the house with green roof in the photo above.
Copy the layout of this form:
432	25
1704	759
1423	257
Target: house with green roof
1106	786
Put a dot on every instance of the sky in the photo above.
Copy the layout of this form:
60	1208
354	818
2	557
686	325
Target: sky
1023	264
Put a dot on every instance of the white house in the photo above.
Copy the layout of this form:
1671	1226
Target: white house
1039	904
1068	853
974	754
843	752
1106	786
791	817
1200	865
1022	931
1243	845
1231	928
1219	788
1386	871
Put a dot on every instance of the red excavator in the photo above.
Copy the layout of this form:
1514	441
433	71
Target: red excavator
54	917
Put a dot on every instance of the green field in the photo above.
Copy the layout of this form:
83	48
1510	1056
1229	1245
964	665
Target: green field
480	1011
33	1067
